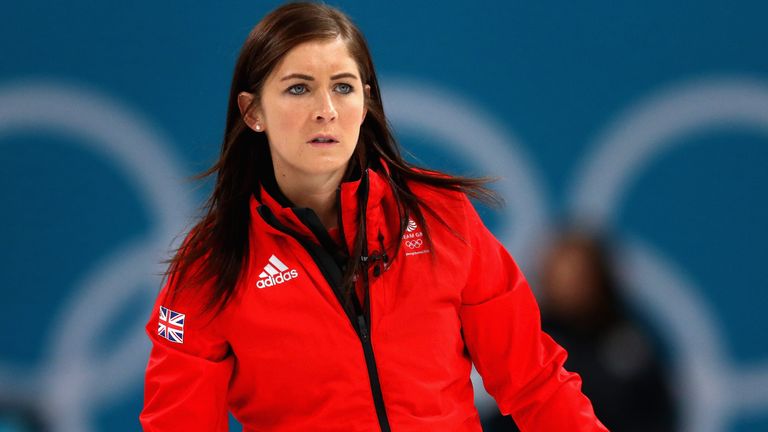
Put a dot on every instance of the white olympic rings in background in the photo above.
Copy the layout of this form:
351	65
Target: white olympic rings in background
70	383
715	390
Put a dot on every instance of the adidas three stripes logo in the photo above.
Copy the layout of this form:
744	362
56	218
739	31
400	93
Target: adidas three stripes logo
275	273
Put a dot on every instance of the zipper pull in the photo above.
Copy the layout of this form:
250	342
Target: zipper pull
363	327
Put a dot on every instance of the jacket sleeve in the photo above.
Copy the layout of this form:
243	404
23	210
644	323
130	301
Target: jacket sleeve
521	366
185	385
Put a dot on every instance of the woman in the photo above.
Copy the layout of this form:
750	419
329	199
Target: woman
583	310
333	286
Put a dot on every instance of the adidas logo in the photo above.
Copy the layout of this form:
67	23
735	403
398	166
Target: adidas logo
275	273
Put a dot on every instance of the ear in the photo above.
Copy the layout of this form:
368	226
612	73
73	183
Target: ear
251	117
367	90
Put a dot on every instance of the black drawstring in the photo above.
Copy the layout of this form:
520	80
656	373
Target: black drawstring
375	256
382	256
362	202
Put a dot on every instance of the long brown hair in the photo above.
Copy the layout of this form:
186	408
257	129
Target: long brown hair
217	247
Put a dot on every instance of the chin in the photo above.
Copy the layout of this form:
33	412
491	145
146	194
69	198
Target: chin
326	166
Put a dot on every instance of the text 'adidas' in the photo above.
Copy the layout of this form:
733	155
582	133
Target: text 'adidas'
275	272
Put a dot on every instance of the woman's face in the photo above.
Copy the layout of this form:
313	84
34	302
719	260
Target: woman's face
314	92
571	287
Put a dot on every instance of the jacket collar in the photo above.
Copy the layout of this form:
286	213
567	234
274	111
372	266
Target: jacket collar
370	187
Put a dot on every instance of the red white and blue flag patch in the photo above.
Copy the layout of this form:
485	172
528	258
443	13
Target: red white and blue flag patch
171	325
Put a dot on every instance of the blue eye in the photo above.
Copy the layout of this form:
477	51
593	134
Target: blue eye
344	88
298	89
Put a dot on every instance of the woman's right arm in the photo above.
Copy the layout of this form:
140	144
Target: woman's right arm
185	386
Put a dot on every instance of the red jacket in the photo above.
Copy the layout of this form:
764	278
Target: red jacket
284	355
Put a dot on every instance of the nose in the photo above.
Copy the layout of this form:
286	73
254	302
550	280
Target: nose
325	110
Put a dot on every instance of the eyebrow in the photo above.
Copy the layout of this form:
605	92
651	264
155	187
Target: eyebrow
310	78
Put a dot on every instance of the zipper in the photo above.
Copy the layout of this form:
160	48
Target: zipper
370	359
333	275
373	375
364	332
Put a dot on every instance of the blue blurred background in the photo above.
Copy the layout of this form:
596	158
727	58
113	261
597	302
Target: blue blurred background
648	120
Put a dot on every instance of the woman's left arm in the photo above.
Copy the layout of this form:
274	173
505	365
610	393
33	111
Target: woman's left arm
521	366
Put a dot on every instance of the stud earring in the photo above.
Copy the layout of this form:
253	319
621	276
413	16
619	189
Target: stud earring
258	128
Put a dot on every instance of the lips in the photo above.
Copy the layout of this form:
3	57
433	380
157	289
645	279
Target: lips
323	139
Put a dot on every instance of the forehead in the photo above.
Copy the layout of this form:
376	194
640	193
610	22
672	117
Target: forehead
317	57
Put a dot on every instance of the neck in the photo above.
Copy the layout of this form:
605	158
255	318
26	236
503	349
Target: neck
315	192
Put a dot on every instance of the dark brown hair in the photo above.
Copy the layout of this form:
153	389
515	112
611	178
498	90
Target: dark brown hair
217	246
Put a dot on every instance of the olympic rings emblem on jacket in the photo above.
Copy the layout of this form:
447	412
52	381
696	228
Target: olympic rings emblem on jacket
413	244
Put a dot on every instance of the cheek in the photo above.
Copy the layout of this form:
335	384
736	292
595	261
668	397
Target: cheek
285	116
353	112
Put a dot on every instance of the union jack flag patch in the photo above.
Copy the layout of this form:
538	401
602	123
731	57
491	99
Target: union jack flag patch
171	325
